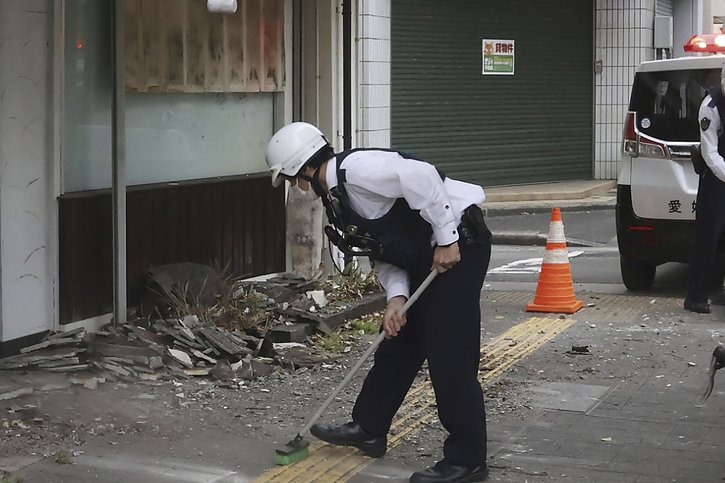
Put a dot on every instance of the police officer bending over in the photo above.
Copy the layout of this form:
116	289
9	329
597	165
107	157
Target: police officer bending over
710	204
409	218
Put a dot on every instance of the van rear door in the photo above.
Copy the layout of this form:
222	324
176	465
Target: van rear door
665	106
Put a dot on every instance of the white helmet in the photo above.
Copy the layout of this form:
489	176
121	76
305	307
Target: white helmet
291	147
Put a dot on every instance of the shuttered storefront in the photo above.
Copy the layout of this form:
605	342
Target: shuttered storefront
533	126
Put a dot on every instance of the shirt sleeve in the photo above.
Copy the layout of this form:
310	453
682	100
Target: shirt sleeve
419	184
710	130
393	279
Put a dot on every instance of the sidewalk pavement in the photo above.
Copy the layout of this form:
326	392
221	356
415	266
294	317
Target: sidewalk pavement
573	195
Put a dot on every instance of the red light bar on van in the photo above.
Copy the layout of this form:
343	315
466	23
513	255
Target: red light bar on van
712	43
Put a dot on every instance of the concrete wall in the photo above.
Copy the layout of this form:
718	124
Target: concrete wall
688	20
27	267
624	38
373	52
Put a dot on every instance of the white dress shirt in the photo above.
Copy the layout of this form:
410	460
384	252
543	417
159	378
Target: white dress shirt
375	179
709	138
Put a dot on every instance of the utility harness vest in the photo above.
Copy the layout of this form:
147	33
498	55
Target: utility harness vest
400	237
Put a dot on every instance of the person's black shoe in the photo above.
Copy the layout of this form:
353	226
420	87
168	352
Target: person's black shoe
699	307
351	434
448	473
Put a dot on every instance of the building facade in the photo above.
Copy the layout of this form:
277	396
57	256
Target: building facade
203	92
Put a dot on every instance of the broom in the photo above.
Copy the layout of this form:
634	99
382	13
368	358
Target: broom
717	362
298	448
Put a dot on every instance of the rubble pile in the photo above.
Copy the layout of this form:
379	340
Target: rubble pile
61	352
285	311
151	349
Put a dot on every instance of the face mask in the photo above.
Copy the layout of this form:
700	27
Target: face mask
308	195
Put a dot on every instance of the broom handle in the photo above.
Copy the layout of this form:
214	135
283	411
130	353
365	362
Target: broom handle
367	353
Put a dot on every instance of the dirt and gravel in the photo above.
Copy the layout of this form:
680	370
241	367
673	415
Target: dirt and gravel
65	418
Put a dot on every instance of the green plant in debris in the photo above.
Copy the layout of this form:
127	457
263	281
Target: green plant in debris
353	285
334	343
62	458
247	307
367	324
347	334
10	479
233	307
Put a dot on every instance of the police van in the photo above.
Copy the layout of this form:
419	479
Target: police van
657	185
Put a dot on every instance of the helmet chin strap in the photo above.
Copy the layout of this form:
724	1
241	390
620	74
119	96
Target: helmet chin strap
314	181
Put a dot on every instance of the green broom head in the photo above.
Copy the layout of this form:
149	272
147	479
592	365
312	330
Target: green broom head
296	450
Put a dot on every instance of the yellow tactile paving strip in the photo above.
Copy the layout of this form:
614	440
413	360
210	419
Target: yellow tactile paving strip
333	463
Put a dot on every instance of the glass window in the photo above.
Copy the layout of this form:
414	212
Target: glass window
169	136
667	102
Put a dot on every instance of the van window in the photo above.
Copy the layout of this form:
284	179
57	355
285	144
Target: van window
667	102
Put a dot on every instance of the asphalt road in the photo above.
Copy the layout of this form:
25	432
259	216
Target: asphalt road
594	265
595	227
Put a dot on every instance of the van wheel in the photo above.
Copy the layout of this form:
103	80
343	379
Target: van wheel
636	275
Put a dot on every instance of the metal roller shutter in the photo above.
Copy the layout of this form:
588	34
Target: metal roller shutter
530	127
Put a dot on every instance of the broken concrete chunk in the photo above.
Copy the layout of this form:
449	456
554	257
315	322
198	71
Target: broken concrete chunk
69	333
317	296
114	368
120	360
260	369
16	393
219	340
71	368
181	357
49	343
59	362
190	321
198	371
187	333
291	333
244	370
141	360
201	355
149	377
156	362
149	337
91	383
222	371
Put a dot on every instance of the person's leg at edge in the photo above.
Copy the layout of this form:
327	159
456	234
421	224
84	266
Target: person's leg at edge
708	227
397	362
453	333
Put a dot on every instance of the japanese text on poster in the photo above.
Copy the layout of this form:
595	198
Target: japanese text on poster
498	57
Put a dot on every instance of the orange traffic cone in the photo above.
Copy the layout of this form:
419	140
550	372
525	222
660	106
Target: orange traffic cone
555	291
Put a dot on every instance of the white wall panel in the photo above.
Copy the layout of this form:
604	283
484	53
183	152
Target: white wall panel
26	295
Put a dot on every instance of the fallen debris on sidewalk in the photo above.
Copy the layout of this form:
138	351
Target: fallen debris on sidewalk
242	336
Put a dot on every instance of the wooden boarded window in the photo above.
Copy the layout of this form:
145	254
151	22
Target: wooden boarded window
178	46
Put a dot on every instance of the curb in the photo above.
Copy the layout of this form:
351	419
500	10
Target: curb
548	191
509	208
530	238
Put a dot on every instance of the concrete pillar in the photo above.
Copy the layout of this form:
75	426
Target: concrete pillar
27	209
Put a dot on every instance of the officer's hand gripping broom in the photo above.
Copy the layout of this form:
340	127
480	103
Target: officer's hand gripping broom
298	448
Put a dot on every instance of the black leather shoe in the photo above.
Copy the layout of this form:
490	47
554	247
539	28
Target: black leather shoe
699	307
445	472
351	434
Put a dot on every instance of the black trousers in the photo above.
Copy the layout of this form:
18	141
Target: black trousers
709	228
444	327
